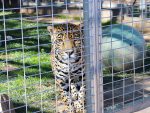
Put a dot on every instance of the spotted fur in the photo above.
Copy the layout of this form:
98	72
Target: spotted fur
68	65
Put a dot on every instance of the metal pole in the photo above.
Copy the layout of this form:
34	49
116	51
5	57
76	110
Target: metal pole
93	37
142	5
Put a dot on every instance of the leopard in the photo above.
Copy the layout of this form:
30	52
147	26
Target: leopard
67	61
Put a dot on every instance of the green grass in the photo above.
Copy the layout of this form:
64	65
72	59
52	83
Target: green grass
26	84
33	89
77	18
63	16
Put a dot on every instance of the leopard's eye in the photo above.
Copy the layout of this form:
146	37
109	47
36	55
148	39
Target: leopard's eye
59	39
71	35
59	36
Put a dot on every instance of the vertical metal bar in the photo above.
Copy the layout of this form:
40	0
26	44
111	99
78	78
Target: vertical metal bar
39	54
142	5
87	57
93	36
23	59
56	89
6	52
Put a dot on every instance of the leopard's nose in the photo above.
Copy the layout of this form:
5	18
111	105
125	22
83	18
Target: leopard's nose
69	52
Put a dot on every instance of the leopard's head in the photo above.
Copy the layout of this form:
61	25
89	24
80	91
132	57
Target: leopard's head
67	40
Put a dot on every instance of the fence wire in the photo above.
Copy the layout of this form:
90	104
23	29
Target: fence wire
74	56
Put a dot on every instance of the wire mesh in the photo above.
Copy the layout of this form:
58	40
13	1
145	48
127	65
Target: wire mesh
125	80
74	56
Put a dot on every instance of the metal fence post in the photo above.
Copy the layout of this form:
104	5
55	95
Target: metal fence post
93	36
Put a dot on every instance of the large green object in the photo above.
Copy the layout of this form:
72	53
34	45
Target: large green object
123	47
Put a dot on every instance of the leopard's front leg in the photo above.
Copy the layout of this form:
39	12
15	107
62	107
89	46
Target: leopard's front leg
80	103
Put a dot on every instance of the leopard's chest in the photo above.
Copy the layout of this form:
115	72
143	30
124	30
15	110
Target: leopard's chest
72	71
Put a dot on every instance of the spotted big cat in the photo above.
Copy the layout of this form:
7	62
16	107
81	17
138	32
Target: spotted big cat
67	60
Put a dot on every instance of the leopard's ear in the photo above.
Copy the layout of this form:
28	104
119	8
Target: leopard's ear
51	29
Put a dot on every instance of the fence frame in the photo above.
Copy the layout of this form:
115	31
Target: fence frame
93	37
